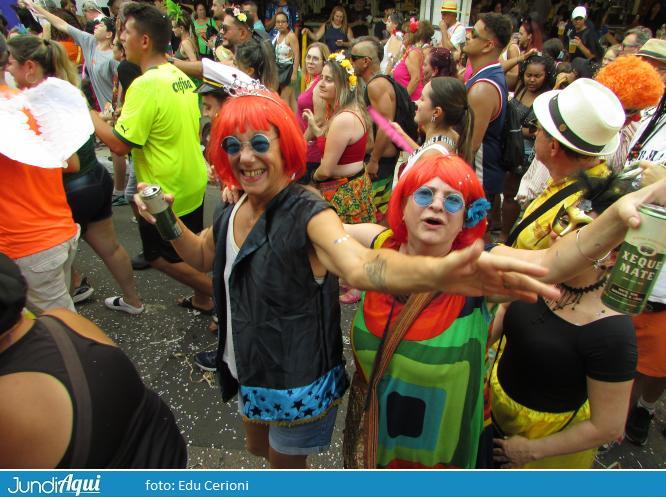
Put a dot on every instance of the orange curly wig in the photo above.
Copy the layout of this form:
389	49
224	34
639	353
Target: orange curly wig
635	82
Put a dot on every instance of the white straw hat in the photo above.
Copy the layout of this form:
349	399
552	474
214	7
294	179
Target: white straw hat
585	117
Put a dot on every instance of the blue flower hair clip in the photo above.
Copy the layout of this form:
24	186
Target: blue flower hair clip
476	212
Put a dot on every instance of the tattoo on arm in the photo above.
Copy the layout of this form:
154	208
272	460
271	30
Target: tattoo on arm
376	272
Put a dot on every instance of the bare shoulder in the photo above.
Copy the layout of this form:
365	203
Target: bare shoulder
81	325
38	410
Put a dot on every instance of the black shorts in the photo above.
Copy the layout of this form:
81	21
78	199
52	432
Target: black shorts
89	196
153	244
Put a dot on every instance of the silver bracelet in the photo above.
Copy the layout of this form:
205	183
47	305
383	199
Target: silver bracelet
596	262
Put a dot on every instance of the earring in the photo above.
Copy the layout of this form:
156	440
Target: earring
30	82
432	120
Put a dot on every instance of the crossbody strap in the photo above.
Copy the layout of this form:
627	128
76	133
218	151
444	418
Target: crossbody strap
561	195
77	378
393	335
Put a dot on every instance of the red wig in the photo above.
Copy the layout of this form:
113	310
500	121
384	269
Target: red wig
456	173
257	112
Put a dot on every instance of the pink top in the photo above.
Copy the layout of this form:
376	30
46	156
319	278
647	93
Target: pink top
305	101
401	75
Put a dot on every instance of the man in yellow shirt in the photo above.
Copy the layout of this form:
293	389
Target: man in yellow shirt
159	124
576	126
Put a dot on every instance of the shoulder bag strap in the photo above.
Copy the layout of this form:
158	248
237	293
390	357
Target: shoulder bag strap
393	335
80	389
561	195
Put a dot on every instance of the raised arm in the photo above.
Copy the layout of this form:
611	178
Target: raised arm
569	255
467	272
55	21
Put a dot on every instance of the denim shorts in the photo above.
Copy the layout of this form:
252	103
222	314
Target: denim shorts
304	439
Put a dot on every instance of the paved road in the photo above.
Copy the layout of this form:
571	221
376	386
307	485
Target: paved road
162	340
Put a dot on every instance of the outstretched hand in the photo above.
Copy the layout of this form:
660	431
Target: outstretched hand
473	272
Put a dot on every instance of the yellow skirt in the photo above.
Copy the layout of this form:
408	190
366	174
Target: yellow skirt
514	418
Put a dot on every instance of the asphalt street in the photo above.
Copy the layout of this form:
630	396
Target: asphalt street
162	341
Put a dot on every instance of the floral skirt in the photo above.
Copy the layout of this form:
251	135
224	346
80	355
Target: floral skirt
351	197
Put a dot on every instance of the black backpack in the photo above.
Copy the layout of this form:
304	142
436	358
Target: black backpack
405	108
513	152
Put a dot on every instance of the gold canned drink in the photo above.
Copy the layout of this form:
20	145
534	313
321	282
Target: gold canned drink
165	220
638	264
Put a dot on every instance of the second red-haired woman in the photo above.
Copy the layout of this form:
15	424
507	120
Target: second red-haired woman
420	358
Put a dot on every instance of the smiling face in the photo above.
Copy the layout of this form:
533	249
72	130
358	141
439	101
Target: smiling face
535	76
259	174
201	12
314	61
432	230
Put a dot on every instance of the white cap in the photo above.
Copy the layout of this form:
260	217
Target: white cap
579	12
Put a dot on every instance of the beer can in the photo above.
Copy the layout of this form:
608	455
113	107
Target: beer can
165	220
638	264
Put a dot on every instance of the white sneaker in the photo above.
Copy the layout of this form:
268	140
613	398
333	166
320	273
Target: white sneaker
118	304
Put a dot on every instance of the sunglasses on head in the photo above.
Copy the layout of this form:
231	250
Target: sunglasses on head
424	196
356	57
260	144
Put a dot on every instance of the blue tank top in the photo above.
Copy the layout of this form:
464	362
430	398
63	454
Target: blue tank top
487	160
332	35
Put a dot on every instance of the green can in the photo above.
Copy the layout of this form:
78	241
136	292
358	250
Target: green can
638	264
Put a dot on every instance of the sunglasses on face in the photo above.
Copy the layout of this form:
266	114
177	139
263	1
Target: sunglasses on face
259	143
424	196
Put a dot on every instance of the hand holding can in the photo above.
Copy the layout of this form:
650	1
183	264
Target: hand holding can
156	209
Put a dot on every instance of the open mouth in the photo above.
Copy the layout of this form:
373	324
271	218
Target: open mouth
433	221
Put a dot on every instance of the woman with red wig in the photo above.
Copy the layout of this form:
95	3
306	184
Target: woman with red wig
275	255
425	403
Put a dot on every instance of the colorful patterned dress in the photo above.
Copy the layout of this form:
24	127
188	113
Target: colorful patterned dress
431	397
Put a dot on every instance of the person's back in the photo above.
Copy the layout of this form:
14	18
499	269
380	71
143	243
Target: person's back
36	215
126	420
161	118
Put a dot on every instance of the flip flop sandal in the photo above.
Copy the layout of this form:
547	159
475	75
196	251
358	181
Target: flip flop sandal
188	304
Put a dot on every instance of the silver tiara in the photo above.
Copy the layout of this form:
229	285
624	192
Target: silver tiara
241	88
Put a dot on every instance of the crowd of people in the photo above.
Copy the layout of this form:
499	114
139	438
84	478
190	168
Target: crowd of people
466	187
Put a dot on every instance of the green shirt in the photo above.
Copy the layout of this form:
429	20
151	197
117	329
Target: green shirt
160	120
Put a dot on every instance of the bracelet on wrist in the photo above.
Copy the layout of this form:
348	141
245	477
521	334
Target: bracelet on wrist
596	262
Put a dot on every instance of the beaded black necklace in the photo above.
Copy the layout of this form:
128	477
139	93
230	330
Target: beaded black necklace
572	296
